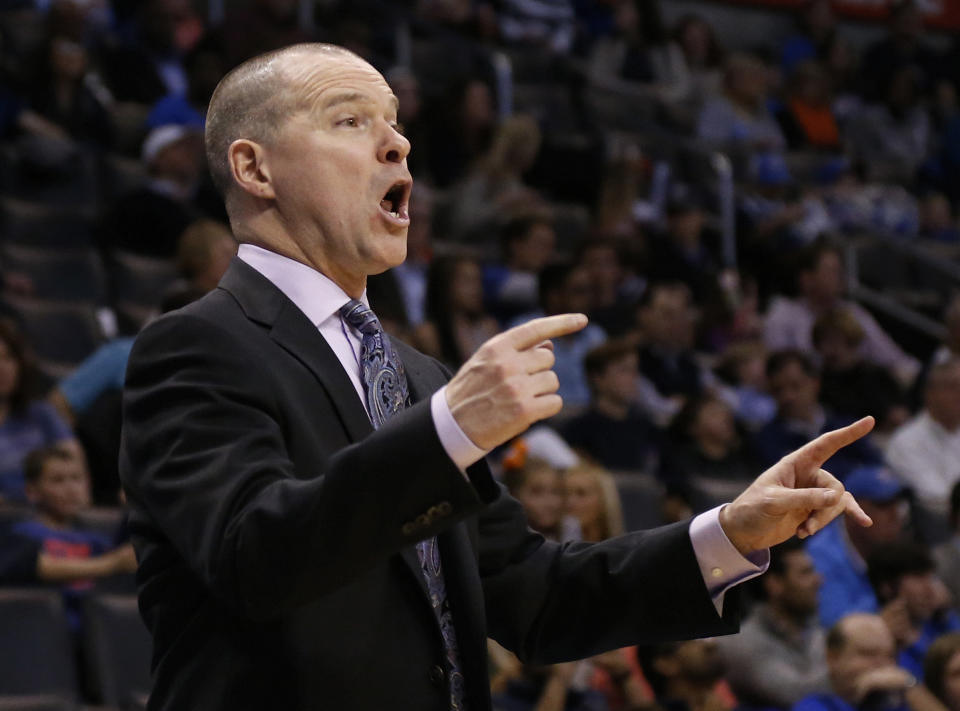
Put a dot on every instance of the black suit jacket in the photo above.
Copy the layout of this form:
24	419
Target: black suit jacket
275	529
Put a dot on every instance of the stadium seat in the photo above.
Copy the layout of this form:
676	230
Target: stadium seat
34	224
642	498
69	274
36	651
62	334
35	703
117	649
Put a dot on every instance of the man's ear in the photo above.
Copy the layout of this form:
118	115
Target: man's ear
248	165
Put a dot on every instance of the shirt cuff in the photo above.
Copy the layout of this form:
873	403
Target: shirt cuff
457	445
721	564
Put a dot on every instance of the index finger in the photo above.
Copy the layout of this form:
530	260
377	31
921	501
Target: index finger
818	451
534	332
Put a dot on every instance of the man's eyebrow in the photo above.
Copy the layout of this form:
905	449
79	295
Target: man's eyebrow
354	96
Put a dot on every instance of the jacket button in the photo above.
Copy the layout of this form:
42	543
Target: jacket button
437	675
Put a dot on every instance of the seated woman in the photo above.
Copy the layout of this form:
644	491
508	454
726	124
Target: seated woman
25	424
456	322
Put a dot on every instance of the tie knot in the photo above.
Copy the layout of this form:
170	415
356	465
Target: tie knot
361	317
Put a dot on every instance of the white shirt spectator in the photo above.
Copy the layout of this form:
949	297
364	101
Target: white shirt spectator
926	457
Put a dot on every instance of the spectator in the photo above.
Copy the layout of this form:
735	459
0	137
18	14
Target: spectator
743	366
635	55
667	320
849	385
795	385
49	547
807	119
615	290
684	676
456	323
951	346
25	424
707	461
464	120
275	23
66	93
204	252
703	60
925	452
819	281
817	28
915	603
903	48
779	657
565	288
150	220
863	672
148	65
511	288
840	551
947	554
592	499
613	430
937	222
738	121
893	138
681	253
496	186
546	24
941	670
411	276
204	66
539	487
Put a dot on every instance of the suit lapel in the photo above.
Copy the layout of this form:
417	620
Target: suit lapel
264	303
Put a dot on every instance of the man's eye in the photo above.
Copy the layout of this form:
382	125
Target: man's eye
349	121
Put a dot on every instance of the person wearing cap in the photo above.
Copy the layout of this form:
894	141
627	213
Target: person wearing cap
840	551
915	602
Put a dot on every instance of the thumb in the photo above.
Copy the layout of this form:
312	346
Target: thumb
785	500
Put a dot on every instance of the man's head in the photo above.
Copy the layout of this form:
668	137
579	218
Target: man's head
820	274
837	336
667	316
613	371
857	644
528	241
884	499
676	668
905	570
305	146
791	585
794	383
942	394
565	288
56	483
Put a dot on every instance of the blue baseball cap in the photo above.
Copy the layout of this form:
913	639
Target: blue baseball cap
875	484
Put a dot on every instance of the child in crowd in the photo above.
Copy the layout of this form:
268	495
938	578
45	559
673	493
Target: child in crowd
50	547
538	486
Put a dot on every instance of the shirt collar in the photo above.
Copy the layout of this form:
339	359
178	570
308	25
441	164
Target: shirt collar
313	293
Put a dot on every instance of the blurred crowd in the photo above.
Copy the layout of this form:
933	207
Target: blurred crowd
711	206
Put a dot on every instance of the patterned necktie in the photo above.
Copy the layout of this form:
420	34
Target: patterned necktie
385	383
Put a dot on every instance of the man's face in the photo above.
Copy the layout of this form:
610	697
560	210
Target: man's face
62	490
618	381
801	584
669	320
942	397
795	391
825	283
921	595
338	169
868	646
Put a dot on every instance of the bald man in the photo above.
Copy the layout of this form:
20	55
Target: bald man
314	521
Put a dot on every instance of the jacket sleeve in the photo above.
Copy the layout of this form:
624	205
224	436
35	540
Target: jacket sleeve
550	602
205	464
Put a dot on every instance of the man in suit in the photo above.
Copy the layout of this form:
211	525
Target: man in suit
304	543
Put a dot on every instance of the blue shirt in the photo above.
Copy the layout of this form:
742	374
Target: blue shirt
911	658
39	426
63	543
846	587
103	370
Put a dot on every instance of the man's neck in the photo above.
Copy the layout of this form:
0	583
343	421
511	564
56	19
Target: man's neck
713	449
51	521
787	621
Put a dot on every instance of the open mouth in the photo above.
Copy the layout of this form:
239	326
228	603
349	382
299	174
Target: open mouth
394	203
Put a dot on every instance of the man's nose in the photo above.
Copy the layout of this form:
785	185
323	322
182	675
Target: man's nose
394	147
